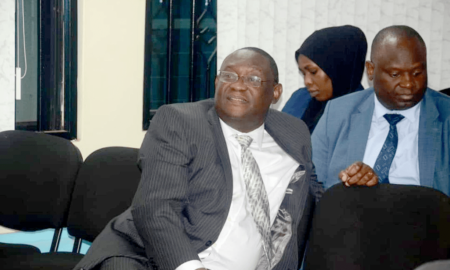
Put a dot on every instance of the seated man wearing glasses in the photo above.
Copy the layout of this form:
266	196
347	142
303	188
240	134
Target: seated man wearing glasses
224	181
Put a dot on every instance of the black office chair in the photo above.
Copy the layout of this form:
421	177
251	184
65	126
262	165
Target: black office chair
381	227
104	188
37	175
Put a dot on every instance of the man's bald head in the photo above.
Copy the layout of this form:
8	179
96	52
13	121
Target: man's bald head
392	34
273	65
398	67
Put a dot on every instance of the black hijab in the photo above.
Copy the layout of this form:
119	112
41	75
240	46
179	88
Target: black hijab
340	52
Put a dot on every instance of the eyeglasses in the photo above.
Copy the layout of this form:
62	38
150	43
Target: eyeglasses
231	77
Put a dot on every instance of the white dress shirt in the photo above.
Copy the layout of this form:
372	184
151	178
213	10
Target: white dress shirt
239	244
405	166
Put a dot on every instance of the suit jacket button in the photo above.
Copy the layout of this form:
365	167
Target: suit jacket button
209	243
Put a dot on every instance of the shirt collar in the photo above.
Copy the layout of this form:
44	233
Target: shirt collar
257	135
412	114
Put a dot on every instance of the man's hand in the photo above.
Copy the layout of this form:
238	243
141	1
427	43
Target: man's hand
358	174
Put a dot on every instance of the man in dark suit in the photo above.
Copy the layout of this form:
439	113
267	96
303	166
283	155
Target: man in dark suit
194	208
357	127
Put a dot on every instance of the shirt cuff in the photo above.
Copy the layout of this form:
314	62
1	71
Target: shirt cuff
190	265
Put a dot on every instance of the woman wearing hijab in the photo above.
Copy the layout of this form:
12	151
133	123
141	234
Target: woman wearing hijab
332	63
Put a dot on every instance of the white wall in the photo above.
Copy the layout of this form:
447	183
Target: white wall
110	73
281	26
7	64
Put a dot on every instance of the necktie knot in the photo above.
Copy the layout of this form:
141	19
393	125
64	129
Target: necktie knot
244	140
393	118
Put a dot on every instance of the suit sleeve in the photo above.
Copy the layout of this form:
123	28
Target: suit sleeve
158	205
320	147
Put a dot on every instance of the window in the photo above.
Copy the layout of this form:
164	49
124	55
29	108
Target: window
180	53
46	42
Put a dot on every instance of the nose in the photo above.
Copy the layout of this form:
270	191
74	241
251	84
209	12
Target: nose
308	80
239	85
406	81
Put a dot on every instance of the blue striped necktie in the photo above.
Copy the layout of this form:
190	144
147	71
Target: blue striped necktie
387	153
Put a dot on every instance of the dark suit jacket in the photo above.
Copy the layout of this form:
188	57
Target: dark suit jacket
340	137
186	188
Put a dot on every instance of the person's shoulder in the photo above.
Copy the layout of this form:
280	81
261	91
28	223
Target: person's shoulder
183	115
297	103
440	101
350	102
354	97
302	92
187	109
437	96
285	121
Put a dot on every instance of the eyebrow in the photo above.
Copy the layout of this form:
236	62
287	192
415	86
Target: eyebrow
415	66
307	67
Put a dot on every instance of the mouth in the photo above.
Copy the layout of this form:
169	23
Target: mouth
406	97
235	99
313	93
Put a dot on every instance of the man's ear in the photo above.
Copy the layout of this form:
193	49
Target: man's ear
369	68
277	91
216	81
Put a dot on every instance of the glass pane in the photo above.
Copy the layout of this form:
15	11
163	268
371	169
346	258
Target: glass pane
53	68
206	45
27	59
180	55
159	25
48	101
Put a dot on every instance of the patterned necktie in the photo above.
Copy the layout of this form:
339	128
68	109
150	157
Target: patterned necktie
256	195
387	153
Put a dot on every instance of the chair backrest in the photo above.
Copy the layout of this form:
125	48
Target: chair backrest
37	175
104	188
381	227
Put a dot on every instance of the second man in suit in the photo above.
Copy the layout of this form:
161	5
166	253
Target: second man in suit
399	127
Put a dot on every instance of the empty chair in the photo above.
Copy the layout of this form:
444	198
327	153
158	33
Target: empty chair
104	188
37	176
381	227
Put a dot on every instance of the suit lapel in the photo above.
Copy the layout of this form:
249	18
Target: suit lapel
360	122
292	206
429	133
222	150
288	141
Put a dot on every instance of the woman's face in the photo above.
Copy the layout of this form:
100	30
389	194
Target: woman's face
316	80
